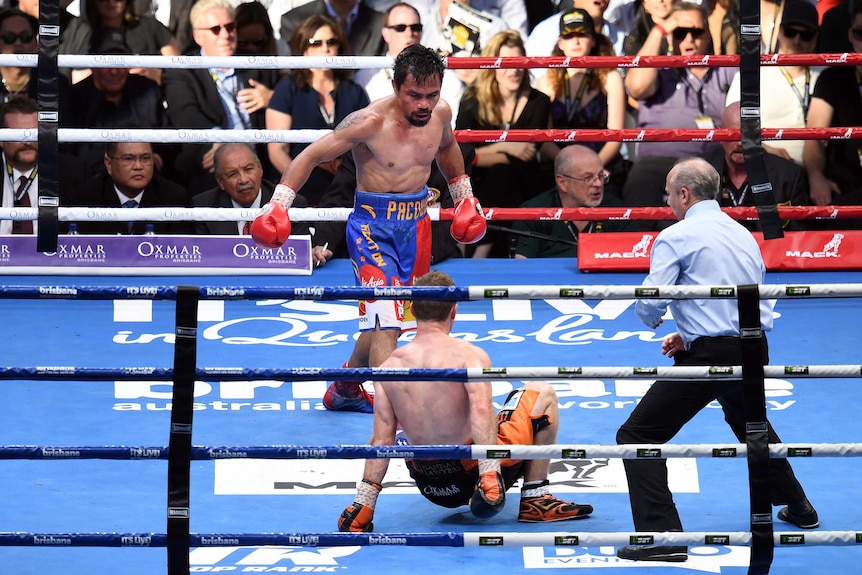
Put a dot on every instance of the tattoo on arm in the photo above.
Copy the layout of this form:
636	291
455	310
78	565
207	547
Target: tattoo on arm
348	121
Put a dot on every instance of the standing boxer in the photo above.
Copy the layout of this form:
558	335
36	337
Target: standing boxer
394	140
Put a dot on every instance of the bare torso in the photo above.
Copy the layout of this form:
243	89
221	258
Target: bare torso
434	412
397	156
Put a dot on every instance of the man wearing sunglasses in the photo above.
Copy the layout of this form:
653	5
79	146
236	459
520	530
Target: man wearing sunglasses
361	23
687	98
785	91
835	166
215	98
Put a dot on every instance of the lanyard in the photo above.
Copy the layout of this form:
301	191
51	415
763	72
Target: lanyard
507	125
230	94
804	99
572	106
701	107
737	201
29	183
574	231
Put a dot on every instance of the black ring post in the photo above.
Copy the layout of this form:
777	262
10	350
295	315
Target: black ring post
179	458
756	429
48	96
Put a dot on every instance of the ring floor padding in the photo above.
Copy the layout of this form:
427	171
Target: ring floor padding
307	496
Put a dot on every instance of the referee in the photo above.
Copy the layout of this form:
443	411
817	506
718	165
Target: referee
706	247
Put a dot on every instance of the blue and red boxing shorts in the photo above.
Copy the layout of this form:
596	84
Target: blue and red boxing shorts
389	241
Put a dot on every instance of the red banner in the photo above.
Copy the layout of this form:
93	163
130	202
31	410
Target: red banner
813	251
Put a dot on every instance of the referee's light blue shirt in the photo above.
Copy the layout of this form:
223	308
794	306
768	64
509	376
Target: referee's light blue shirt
706	248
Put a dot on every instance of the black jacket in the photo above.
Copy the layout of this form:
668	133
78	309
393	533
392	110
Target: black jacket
366	38
218	198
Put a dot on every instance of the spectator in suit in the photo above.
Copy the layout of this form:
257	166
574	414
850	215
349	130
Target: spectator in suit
223	99
114	98
174	14
360	23
20	164
130	181
239	174
789	182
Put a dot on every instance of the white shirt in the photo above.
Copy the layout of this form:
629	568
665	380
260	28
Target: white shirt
706	248
779	104
10	186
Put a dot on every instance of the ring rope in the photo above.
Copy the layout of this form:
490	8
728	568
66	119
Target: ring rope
435	213
453	63
146	373
442	539
453	293
554	451
253	136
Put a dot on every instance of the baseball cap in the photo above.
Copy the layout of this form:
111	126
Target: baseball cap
109	41
801	13
578	21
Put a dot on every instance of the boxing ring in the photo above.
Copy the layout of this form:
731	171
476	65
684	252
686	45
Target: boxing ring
234	496
83	448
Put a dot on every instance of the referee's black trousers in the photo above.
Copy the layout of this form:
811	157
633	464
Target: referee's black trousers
665	408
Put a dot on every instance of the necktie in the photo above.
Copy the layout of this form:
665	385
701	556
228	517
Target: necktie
246	229
130	204
22	226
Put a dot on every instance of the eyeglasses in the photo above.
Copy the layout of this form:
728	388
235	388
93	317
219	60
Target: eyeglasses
230	28
259	43
804	35
857	34
10	37
329	42
603	176
415	28
131	160
679	34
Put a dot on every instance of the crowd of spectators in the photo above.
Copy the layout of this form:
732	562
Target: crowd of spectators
504	174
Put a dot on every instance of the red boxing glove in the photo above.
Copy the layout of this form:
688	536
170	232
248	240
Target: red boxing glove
271	228
468	223
490	495
356	518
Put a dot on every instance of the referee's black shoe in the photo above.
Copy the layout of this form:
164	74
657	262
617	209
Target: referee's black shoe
802	515
672	553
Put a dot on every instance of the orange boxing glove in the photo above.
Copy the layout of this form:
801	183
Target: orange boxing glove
357	517
490	495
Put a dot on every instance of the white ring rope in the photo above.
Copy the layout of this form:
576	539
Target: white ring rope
649	451
666	372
